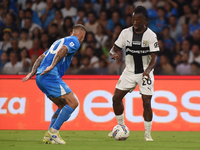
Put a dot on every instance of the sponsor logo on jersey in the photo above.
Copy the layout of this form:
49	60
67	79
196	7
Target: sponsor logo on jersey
71	44
137	51
136	43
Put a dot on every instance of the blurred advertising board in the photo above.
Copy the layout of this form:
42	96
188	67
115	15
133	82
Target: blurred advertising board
176	104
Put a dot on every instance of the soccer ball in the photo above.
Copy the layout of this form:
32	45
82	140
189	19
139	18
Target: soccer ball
120	132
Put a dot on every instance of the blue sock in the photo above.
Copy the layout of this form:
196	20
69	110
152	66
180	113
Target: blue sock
63	116
54	119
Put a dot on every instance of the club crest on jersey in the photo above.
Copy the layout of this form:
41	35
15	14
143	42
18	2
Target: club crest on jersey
144	43
71	44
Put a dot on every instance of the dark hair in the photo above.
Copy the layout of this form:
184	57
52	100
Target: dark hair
128	15
15	30
39	34
166	27
79	63
85	56
58	10
29	2
54	25
13	52
195	63
2	6
196	45
91	12
161	8
81	9
105	62
28	18
87	1
14	39
90	47
27	53
187	6
28	10
116	11
103	28
119	25
141	10
24	30
174	16
70	19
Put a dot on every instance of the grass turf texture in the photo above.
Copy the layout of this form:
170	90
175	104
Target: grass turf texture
96	140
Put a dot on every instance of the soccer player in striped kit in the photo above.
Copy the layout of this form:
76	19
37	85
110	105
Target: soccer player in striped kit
141	46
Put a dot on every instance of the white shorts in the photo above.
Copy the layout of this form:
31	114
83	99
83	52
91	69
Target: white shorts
128	82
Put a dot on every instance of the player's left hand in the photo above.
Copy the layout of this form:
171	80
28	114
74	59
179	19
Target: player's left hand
47	70
27	77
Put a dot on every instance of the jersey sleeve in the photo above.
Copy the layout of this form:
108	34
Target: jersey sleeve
120	42
46	52
153	44
72	44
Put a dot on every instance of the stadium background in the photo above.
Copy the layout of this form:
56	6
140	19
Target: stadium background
176	100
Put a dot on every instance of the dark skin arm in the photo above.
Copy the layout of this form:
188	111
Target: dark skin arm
113	52
34	68
152	64
59	55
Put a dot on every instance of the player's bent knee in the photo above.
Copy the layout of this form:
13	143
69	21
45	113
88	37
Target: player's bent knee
116	101
73	103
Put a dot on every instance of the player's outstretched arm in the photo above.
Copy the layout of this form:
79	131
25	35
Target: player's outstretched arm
34	69
152	64
59	55
113	52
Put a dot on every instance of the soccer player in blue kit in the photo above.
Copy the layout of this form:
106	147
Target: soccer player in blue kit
49	68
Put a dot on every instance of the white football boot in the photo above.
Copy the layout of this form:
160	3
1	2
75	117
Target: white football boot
56	137
48	140
147	137
110	134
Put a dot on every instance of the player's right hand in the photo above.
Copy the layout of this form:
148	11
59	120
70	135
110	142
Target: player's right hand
27	77
114	56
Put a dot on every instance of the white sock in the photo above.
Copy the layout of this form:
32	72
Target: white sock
147	125
54	130
120	119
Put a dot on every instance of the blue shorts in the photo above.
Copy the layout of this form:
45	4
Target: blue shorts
51	85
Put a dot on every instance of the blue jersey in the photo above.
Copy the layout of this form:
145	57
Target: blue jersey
152	19
160	24
72	44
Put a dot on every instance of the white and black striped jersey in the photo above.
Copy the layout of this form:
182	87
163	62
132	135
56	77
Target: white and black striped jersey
138	48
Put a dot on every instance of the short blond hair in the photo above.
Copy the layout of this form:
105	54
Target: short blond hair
79	27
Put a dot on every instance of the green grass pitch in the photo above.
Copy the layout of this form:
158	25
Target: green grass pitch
98	140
